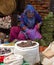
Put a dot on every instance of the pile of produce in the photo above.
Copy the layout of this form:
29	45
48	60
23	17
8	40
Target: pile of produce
48	28
26	44
4	50
5	22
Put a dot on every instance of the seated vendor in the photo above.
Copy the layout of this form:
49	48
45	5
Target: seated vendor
29	25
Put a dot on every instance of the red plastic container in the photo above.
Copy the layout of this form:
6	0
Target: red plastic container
1	58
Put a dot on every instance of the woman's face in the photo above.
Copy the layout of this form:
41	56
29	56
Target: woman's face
30	14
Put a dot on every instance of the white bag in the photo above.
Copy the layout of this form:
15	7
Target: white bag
47	61
13	60
16	63
30	54
49	51
49	55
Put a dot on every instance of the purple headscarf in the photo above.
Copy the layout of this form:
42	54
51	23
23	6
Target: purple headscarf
30	23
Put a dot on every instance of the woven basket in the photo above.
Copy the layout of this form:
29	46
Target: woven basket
7	6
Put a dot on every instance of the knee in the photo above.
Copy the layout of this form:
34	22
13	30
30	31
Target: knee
21	36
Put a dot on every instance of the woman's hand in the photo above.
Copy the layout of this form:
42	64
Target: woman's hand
24	28
37	26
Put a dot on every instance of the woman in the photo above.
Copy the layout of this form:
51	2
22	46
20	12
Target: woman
30	23
29	26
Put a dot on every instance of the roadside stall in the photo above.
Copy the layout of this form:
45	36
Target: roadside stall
30	46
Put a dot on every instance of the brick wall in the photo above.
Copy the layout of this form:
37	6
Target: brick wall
41	6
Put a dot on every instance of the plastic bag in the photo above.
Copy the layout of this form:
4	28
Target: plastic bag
13	60
30	54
